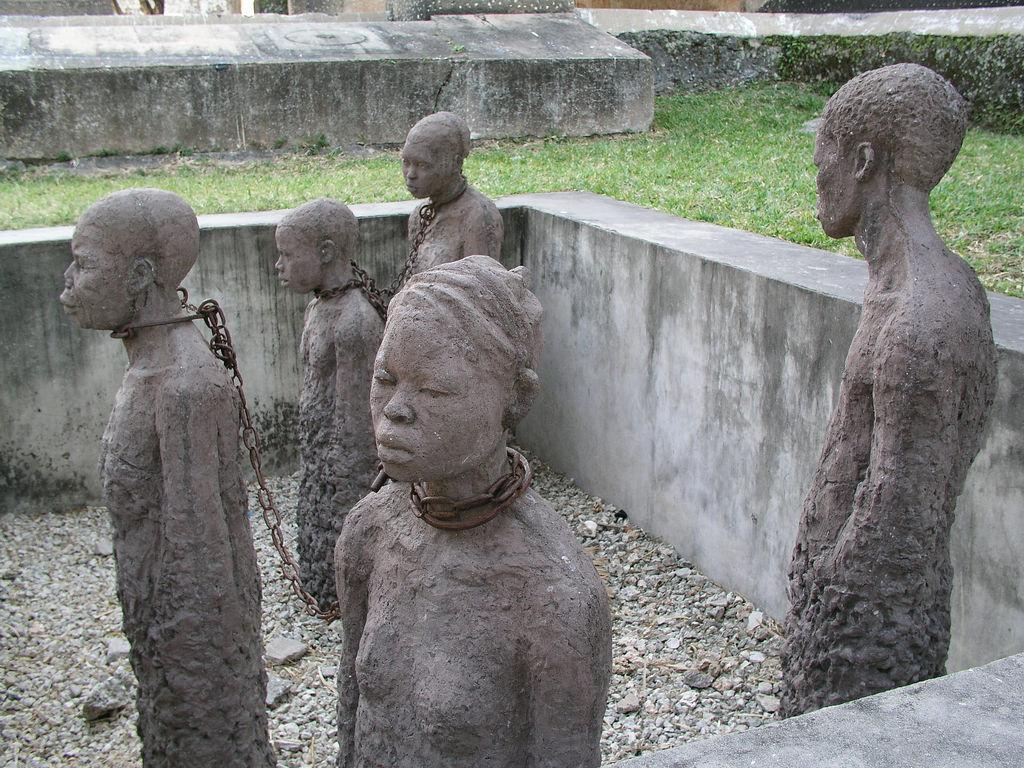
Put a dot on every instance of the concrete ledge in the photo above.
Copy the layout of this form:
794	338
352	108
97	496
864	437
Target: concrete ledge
968	720
85	89
688	376
959	23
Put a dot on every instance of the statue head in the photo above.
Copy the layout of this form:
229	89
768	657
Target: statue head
456	368
898	125
312	241
128	248
433	154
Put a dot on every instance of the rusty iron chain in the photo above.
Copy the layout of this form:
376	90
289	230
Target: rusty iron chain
380	297
223	350
428	212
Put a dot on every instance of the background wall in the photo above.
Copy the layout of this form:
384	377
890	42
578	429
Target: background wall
688	375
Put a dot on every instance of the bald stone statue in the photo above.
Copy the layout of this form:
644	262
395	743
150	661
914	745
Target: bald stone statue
172	479
465	221
476	631
340	337
870	578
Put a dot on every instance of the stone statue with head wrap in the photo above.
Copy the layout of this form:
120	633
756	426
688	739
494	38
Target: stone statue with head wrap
172	479
476	629
870	577
316	243
465	221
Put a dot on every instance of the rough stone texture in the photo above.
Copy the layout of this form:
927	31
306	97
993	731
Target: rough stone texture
187	578
65	89
871	577
284	650
107	698
338	458
56	8
466	222
968	719
989	71
694	61
860	6
413	10
487	646
767	323
983	22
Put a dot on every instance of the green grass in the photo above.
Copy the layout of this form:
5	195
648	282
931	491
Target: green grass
735	158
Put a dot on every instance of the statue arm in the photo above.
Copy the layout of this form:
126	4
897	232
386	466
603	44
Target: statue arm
913	453
356	339
197	425
485	235
569	668
351	569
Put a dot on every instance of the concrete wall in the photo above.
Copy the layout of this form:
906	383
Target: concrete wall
688	375
959	23
967	720
56	8
57	386
89	89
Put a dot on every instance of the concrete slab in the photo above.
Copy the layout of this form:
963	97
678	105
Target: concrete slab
974	22
86	89
972	719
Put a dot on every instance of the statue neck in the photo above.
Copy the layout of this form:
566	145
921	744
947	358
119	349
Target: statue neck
148	347
453	192
474	481
895	224
335	274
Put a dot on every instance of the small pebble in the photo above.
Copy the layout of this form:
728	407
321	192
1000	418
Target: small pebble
61	613
117	649
284	650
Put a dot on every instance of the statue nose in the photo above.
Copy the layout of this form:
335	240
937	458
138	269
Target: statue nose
399	412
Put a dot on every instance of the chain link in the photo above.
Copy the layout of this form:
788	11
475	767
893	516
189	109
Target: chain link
223	350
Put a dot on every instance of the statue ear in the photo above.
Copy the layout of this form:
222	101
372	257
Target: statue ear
327	251
142	275
865	161
523	392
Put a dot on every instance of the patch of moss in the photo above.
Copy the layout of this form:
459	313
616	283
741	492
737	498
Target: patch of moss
988	71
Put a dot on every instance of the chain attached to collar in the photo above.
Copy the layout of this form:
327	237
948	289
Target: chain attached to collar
210	312
442	512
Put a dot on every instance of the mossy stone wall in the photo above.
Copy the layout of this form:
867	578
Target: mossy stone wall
988	71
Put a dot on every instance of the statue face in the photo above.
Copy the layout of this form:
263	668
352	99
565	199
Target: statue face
436	413
299	265
429	167
839	192
97	290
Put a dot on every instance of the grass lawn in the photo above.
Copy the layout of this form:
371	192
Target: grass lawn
735	158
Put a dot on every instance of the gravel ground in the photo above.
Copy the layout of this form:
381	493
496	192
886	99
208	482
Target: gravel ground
690	659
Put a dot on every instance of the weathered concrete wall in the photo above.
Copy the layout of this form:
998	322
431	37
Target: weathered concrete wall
987	70
959	23
56	8
413	10
689	373
83	90
688	376
967	720
57	383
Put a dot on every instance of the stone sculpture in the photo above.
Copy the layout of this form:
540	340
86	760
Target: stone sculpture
340	336
475	633
171	474
870	577
465	222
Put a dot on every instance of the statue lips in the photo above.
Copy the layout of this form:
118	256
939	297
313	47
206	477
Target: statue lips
391	451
